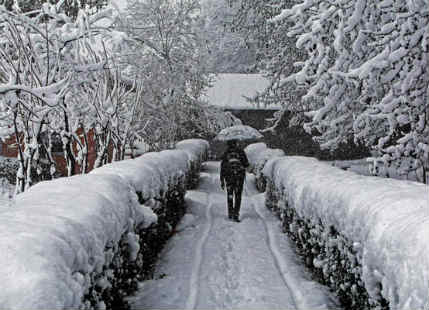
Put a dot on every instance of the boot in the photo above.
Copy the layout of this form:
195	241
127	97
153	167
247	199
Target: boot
230	203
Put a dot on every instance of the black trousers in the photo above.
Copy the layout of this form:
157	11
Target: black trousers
234	189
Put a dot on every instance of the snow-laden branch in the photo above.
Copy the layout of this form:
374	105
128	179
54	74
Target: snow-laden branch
51	95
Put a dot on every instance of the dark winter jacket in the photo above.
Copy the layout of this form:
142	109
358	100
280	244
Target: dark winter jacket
233	165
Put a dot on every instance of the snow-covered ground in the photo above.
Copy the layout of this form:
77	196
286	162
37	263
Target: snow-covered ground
213	263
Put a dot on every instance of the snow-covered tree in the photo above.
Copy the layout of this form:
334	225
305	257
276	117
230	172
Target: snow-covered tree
169	55
45	55
92	76
359	70
366	75
69	7
116	109
229	52
395	82
275	51
167	49
32	85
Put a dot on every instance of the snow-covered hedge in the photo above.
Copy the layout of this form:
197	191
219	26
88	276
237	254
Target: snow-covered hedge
85	241
366	237
252	152
198	151
8	168
258	154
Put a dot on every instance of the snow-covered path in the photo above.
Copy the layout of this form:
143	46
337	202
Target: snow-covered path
213	263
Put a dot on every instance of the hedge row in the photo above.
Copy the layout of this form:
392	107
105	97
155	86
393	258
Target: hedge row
258	155
86	241
364	237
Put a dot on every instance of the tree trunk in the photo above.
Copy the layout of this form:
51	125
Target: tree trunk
68	151
20	176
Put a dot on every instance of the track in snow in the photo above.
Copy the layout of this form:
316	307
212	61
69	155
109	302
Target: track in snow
196	270
279	261
213	263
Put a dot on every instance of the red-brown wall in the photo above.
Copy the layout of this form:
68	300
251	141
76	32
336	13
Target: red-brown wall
10	149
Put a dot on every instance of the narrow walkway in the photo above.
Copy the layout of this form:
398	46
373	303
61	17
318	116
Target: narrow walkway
213	263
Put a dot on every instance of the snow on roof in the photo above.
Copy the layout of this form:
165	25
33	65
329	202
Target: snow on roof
229	89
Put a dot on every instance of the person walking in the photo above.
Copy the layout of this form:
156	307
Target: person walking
232	174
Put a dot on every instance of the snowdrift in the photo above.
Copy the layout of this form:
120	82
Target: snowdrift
82	241
365	237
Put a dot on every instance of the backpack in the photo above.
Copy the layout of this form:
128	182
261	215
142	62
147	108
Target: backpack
235	166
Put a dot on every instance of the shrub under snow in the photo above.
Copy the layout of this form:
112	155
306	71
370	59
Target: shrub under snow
258	154
253	151
366	237
85	241
198	152
8	168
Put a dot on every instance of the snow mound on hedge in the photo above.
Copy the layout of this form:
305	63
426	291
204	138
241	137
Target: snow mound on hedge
253	151
54	240
56	234
196	149
152	173
258	154
387	220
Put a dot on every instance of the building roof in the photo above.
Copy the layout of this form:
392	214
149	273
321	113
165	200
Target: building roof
230	89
